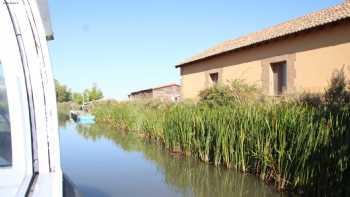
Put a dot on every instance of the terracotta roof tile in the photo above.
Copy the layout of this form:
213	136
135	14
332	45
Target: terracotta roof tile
309	21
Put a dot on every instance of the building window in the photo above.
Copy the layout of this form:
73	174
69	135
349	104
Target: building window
214	77
279	71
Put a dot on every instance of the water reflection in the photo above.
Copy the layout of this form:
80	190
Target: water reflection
182	176
63	120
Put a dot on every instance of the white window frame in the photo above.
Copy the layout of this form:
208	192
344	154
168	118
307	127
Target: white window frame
16	178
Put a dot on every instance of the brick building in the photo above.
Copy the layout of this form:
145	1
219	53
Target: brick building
169	92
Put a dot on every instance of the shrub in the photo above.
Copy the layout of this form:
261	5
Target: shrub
236	91
337	95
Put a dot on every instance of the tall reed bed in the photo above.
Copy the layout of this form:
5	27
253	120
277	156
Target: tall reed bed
293	146
120	115
300	145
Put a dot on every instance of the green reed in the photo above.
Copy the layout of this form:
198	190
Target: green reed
293	146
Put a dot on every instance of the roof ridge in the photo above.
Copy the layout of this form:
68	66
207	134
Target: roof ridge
156	87
302	23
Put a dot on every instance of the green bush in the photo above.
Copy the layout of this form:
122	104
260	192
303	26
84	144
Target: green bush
237	91
337	95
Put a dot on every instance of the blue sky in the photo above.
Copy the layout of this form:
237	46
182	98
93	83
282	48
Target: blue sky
129	45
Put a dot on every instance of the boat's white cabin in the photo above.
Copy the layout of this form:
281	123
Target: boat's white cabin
29	141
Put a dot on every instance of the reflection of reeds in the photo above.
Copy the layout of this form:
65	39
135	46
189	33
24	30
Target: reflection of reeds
290	145
184	175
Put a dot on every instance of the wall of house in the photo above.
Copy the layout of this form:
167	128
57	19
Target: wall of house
169	93
311	59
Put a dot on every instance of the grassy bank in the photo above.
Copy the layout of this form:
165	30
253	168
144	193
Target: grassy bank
300	145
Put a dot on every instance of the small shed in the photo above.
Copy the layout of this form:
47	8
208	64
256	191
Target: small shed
168	92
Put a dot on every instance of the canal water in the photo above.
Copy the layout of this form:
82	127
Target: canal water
102	162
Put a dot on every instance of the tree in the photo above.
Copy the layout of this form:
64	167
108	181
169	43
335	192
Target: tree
92	94
77	98
63	93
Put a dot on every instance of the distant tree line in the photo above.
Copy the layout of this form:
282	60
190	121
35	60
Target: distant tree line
65	94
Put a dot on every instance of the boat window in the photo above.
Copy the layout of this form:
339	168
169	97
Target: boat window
5	129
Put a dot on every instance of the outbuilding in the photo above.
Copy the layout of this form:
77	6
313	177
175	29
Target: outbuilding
168	92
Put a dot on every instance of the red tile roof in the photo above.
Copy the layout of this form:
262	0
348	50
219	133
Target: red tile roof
307	22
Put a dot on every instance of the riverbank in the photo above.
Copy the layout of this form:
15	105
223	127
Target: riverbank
292	146
297	145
